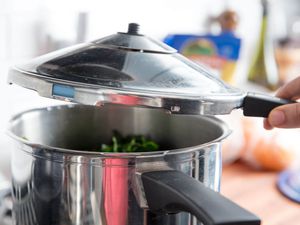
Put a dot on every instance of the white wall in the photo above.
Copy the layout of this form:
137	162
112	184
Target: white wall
25	24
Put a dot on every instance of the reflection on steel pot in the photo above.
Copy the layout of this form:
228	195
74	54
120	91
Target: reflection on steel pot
57	181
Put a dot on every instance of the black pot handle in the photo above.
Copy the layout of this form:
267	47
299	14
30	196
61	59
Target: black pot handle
259	105
173	191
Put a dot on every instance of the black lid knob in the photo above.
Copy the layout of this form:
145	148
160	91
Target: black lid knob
133	28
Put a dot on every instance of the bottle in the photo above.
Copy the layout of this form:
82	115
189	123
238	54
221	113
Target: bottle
263	70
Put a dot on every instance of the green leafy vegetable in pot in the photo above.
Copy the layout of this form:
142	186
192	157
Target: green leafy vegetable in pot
135	143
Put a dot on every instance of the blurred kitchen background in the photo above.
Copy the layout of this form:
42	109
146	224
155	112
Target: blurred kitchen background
29	28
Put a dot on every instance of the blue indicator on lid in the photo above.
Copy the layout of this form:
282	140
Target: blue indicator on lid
63	91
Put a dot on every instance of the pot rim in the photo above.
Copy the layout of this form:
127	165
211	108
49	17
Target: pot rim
73	152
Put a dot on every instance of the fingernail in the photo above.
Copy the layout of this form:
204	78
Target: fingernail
276	118
267	125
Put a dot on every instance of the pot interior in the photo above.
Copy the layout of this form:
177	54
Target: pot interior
82	127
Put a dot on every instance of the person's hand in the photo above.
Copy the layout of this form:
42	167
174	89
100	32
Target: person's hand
286	116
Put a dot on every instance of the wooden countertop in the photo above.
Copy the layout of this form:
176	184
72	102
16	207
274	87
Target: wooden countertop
257	192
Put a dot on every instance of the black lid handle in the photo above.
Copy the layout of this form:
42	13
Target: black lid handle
259	105
172	191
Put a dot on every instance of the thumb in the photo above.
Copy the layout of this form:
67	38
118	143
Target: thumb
287	116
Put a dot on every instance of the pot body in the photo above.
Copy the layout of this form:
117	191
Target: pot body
55	182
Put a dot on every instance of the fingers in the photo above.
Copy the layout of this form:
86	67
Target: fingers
287	116
291	90
267	125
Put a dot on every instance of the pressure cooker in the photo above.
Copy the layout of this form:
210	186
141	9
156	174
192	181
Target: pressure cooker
133	84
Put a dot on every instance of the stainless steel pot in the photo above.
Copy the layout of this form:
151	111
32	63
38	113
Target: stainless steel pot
57	180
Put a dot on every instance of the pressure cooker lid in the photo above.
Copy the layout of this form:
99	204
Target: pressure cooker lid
131	69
